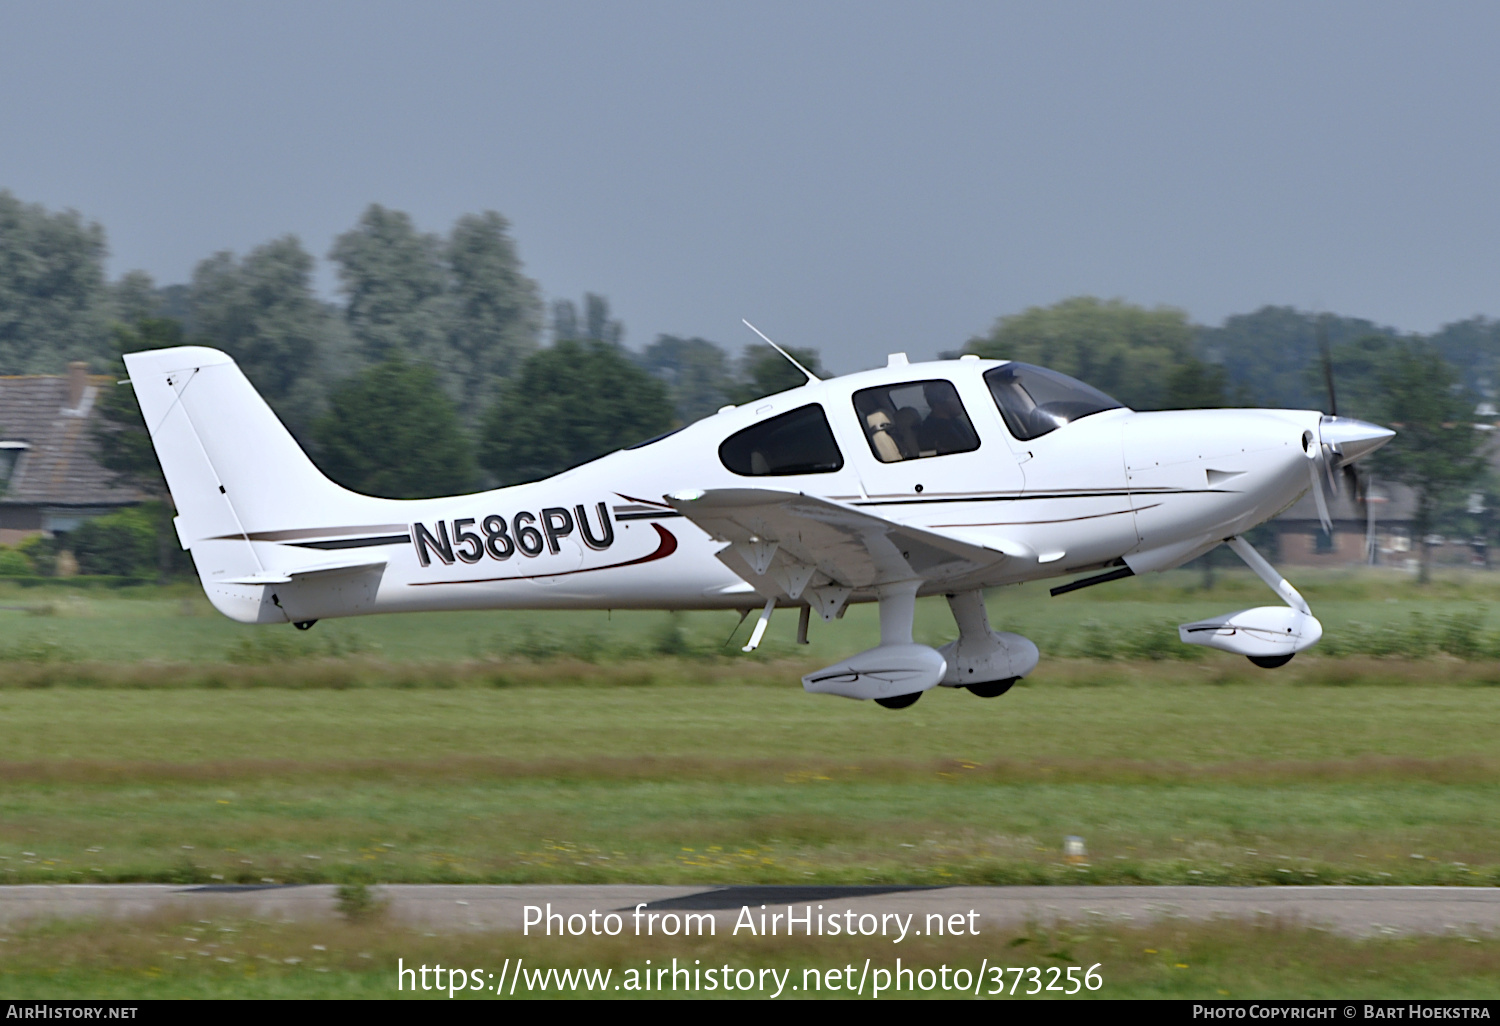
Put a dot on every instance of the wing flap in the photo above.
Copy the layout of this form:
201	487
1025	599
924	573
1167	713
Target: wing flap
800	541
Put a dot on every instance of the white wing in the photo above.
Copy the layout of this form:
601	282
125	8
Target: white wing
785	544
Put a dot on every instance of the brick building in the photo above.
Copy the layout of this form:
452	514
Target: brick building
1385	521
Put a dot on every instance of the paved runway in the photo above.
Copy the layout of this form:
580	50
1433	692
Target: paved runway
1356	911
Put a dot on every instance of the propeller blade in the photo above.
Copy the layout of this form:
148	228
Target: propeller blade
1355	483
1317	490
1333	399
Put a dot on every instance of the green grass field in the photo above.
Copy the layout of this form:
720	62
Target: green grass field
143	737
1380	612
177	958
1169	780
146	738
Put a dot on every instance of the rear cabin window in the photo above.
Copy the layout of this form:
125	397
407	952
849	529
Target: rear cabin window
914	420
798	442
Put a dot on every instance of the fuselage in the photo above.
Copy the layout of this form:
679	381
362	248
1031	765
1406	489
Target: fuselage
1149	489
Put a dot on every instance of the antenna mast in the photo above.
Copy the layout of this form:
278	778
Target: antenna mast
812	379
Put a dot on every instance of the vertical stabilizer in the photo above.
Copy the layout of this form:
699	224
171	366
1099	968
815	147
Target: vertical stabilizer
235	473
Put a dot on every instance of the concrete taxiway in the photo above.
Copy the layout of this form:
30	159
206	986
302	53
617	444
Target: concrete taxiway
1354	911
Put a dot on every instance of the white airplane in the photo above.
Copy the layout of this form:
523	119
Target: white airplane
940	478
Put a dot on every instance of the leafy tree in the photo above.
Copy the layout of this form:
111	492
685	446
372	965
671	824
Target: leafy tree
54	305
1472	347
1125	350
1195	385
695	371
571	403
461	306
391	431
763	371
1437	451
393	278
123	445
595	324
13	563
496	308
122	543
41	551
134	298
263	312
1272	356
1360	366
175	302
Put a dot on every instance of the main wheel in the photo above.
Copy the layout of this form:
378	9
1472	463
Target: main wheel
992	688
1270	662
899	701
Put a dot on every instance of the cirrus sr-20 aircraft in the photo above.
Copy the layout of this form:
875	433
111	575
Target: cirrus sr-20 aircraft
940	478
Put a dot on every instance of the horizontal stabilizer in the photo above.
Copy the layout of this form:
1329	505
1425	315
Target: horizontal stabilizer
306	572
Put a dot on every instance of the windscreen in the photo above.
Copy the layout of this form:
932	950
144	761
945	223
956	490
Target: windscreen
1035	400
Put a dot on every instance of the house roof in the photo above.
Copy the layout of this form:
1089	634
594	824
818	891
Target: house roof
59	466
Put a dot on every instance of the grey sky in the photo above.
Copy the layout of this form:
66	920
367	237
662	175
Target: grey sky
859	177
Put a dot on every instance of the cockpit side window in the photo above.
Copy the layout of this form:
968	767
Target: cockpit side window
1035	400
797	442
914	420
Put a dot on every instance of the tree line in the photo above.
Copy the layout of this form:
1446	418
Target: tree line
438	341
442	369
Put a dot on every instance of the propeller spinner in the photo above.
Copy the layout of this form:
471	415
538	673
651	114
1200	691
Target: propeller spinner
1340	441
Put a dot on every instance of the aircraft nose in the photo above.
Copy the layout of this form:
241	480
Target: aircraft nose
1352	439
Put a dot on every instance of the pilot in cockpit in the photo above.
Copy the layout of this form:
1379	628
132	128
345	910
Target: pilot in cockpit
947	428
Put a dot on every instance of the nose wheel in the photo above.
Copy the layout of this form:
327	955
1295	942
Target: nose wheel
899	701
1271	662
